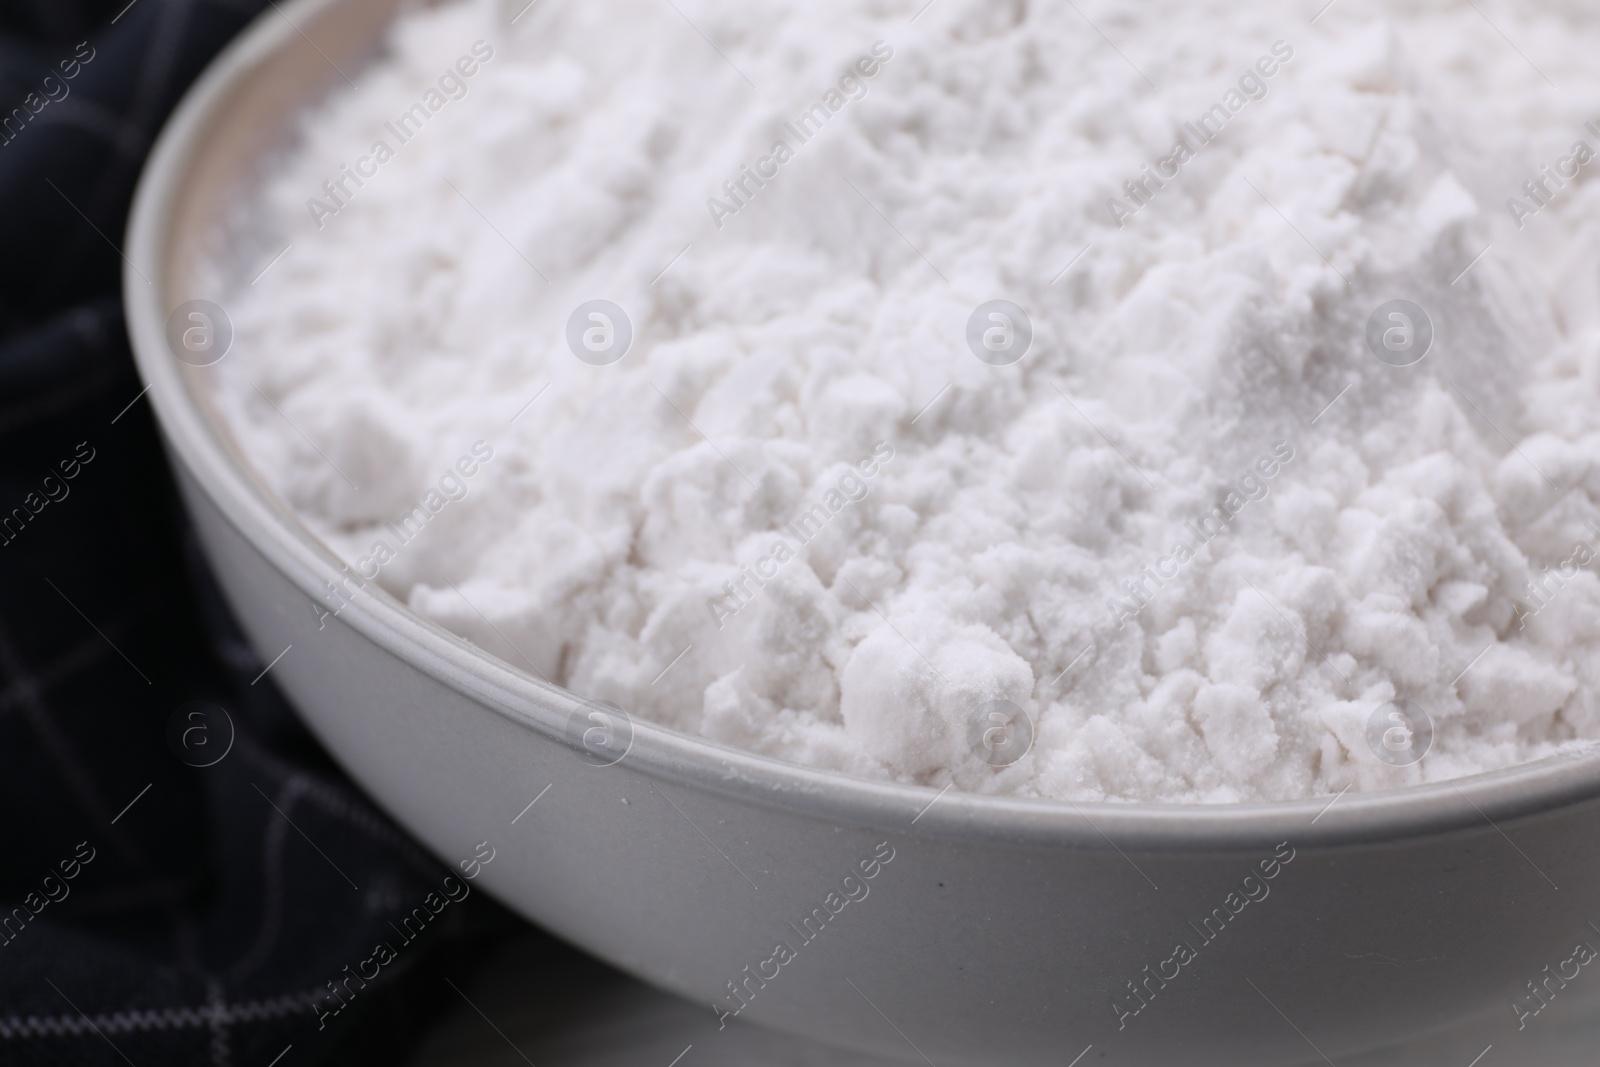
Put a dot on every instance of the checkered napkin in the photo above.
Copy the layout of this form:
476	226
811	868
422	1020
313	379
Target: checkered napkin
185	877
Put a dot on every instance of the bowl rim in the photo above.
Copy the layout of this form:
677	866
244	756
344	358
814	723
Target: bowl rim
198	445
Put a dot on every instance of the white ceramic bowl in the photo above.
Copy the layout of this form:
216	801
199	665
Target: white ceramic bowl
1001	931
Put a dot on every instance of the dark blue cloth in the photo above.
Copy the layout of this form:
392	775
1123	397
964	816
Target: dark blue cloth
155	912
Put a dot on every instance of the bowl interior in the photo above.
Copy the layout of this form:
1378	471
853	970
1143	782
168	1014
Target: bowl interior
190	237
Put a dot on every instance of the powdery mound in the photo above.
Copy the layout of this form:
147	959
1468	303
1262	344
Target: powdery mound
1199	534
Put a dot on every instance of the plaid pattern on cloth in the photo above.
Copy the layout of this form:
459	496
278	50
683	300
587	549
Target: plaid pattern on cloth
161	905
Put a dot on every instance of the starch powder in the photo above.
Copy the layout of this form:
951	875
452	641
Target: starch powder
1236	526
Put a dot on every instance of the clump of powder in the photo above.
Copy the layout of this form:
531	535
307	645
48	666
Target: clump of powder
710	290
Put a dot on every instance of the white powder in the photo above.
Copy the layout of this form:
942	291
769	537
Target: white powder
1217	334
